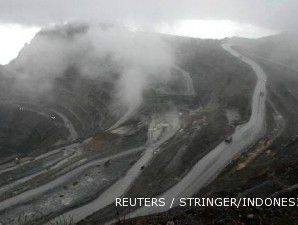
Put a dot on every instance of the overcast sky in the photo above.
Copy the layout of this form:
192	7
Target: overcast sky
274	14
198	18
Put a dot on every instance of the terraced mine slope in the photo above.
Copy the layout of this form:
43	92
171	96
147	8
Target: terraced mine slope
268	168
68	148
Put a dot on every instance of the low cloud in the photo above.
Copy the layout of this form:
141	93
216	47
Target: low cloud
139	59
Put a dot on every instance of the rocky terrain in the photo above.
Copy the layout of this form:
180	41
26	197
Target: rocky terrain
267	169
68	148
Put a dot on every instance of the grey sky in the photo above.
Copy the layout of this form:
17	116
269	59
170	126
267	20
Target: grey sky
273	14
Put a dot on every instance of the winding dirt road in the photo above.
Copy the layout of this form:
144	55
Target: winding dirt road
216	160
120	187
206	169
200	174
27	195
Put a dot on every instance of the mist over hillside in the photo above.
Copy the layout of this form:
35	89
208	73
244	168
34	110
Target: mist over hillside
95	52
98	107
148	112
81	94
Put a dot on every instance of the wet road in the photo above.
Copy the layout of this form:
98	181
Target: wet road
120	187
27	195
205	170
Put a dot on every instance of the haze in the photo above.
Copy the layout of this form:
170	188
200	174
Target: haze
203	19
166	99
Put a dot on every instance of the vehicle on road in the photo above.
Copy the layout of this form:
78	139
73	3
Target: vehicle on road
228	139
